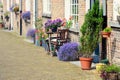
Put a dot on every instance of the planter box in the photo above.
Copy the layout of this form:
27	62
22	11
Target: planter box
105	34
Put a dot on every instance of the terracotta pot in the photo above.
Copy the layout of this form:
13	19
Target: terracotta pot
86	63
105	34
1	25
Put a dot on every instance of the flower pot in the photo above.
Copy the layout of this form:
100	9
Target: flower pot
1	25
105	34
112	76
86	63
100	66
54	29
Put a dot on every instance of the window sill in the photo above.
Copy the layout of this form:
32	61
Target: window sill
114	24
46	15
74	30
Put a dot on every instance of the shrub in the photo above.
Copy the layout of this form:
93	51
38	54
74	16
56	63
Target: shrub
68	52
90	30
31	33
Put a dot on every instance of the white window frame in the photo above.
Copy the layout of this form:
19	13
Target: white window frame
74	13
116	3
69	12
8	4
47	6
17	2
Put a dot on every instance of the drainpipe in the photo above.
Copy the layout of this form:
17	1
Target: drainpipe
20	17
11	23
104	41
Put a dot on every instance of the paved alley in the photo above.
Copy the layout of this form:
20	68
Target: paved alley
20	60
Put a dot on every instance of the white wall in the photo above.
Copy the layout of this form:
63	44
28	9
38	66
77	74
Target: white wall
27	5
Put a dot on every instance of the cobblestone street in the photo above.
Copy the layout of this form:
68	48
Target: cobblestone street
20	60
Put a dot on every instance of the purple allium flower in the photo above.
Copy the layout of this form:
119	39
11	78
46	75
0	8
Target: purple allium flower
31	33
68	52
26	15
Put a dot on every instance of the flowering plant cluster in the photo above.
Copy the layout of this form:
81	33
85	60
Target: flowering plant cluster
26	15
31	33
53	23
67	23
68	52
109	69
14	8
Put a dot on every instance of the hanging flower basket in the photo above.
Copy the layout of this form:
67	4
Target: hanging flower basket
26	16
105	34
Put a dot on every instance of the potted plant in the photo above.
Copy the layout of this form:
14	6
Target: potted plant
89	38
110	72
106	32
38	26
26	16
16	9
31	34
67	23
68	52
6	15
53	24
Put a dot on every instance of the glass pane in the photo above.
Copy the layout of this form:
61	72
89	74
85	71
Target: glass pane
73	9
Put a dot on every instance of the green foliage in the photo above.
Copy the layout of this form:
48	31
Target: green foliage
112	68
68	24
16	9
1	5
38	23
1	21
107	29
90	30
6	13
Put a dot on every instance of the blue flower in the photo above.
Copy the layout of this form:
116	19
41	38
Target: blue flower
31	33
26	15
53	23
68	52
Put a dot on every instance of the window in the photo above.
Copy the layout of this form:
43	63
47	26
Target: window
71	9
17	1
116	4
8	4
46	6
74	10
89	4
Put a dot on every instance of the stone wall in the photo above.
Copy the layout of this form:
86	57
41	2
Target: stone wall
115	46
